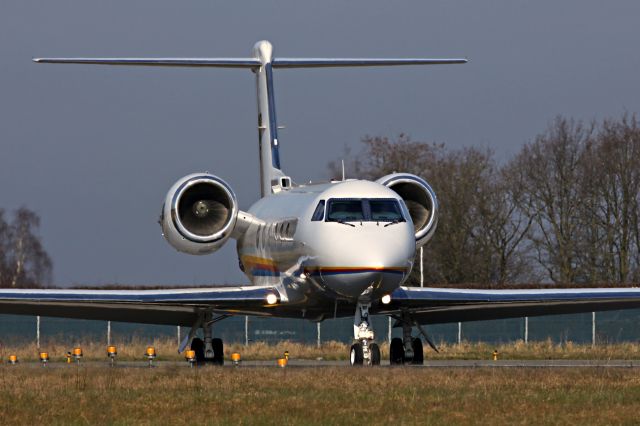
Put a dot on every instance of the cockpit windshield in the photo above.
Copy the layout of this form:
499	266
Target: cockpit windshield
364	210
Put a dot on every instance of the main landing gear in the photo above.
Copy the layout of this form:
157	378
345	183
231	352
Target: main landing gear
409	349
209	350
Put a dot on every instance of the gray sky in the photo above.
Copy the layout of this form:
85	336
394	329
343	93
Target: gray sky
94	149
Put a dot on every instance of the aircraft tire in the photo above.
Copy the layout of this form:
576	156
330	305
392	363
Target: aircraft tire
197	345
396	351
218	351
356	356
418	353
375	354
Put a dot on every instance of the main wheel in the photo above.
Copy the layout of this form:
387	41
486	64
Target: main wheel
396	352
197	345
418	353
218	351
374	351
356	356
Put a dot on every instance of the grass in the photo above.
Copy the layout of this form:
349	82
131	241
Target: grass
167	351
331	395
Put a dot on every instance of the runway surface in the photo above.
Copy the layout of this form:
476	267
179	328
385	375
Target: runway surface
300	363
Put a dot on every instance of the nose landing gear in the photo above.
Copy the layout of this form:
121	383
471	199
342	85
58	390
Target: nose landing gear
365	351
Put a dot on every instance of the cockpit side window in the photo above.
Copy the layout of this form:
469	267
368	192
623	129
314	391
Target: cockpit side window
318	214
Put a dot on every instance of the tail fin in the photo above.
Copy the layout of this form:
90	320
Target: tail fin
272	178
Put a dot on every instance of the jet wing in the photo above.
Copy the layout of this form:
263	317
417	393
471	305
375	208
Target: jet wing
171	307
444	305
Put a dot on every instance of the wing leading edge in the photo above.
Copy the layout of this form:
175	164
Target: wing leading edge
442	305
171	307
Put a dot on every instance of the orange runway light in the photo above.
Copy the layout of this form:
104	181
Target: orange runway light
112	351
282	362
13	359
151	354
77	354
44	358
235	358
190	356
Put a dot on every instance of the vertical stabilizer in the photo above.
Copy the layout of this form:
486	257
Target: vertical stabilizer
272	179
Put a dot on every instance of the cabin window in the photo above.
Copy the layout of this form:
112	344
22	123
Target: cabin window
364	210
318	214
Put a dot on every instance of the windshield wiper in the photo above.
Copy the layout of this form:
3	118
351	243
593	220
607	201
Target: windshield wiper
393	222
345	223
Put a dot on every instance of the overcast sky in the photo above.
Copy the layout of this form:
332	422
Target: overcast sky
94	149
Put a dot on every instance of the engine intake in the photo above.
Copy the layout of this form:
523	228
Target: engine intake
421	201
199	214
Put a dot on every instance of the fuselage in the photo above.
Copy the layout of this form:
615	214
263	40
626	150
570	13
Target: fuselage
344	240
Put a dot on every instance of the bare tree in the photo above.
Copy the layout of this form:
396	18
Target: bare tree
550	174
5	238
27	263
612	177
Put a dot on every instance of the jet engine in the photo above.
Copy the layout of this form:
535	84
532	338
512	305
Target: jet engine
199	214
420	200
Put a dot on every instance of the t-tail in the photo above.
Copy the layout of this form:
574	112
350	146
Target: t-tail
262	63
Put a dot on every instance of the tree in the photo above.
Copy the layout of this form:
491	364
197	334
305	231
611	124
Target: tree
550	173
25	262
611	193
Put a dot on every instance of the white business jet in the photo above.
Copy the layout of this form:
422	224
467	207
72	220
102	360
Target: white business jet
318	251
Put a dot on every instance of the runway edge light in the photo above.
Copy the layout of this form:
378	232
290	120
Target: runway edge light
235	358
112	352
151	354
77	354
190	356
44	358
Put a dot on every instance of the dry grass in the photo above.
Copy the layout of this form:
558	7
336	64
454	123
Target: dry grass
179	395
167	351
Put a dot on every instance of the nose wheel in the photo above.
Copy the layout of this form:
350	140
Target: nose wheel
365	351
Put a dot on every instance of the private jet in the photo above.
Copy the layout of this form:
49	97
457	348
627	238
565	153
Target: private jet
343	248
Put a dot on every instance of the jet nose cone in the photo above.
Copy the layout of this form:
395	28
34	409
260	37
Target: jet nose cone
352	282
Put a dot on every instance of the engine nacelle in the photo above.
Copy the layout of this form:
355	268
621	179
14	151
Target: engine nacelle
421	201
199	214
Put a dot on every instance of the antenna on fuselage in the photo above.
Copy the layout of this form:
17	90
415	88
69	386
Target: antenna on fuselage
262	63
343	176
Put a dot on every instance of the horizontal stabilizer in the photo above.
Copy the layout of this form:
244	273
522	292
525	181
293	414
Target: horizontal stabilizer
159	62
251	62
355	62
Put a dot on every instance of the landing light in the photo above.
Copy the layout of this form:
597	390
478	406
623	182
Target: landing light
272	299
386	299
303	276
